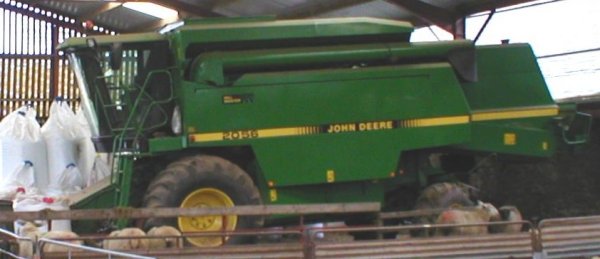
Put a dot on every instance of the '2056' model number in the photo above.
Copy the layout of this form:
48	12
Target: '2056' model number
240	134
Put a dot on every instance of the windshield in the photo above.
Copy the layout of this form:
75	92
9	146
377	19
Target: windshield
110	92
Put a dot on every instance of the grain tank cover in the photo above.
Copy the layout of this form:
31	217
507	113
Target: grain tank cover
257	31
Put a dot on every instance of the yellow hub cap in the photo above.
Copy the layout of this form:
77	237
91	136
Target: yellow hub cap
207	197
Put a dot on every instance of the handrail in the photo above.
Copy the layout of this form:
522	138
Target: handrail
552	238
416	226
247	210
417	213
12	235
110	253
571	220
2	251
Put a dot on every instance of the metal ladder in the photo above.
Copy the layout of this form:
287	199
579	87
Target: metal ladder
128	137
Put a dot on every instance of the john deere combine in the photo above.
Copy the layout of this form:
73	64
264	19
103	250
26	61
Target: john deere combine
246	111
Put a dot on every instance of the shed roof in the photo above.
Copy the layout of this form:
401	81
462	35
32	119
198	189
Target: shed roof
114	16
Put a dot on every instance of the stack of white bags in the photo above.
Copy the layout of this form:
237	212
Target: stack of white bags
40	166
23	160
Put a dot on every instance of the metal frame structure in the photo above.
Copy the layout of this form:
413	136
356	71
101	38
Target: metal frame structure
32	70
550	238
424	13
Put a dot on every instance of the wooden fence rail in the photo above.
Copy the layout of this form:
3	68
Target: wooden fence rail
117	213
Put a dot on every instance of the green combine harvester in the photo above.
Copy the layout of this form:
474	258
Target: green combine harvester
250	111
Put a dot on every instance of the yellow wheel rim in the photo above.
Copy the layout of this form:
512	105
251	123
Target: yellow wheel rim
205	198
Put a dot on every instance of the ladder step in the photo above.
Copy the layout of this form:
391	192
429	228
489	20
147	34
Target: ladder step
115	105
123	129
117	87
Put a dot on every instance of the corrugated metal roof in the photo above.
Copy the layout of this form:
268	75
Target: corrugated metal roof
125	19
74	8
254	7
110	15
379	9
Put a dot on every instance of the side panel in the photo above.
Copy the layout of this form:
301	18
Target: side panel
513	112
347	156
509	76
325	126
324	193
323	97
513	138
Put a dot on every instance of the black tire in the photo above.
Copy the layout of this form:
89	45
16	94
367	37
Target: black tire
485	177
362	220
441	196
144	171
181	178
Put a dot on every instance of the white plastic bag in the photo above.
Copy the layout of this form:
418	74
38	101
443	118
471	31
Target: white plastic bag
86	152
29	202
61	133
99	171
23	176
20	180
36	202
69	181
63	120
21	140
21	124
58	203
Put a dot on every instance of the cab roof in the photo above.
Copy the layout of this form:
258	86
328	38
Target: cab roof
80	42
257	28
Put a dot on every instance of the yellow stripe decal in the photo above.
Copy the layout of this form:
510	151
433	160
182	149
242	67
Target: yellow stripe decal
249	134
205	137
483	115
504	114
441	121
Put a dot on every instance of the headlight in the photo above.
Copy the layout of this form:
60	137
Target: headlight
176	120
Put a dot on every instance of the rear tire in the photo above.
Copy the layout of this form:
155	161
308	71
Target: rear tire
204	181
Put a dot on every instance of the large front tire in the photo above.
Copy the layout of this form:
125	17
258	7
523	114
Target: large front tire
204	181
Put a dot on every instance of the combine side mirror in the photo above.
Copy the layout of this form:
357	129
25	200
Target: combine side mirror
578	129
116	56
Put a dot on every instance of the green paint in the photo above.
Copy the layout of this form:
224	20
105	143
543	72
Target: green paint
167	144
333	110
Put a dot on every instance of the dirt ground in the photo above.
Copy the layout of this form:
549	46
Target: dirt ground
565	186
